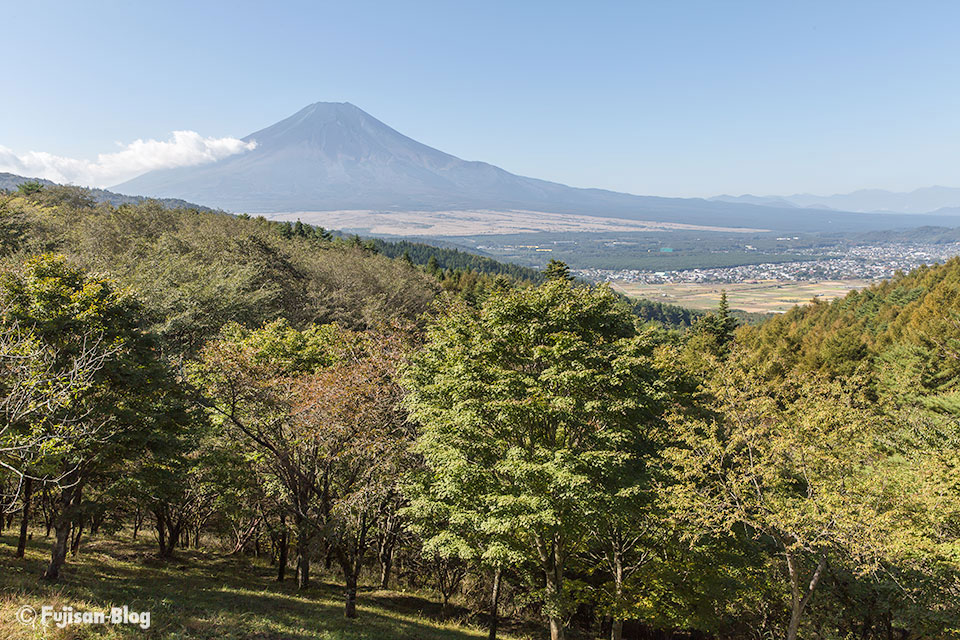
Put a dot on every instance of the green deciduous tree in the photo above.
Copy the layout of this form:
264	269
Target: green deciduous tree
322	409
531	406
102	391
791	463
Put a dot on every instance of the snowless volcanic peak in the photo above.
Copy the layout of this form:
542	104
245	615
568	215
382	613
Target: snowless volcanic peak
327	156
339	130
333	156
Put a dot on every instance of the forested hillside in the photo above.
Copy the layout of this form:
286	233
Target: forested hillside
454	259
901	334
667	314
12	182
238	423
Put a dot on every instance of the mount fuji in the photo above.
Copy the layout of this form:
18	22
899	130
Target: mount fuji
336	157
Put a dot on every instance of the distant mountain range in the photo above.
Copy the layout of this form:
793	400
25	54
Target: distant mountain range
336	157
931	200
10	182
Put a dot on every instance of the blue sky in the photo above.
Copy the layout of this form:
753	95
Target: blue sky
663	98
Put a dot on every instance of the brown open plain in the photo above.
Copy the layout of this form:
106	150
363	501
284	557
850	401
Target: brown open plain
765	296
479	222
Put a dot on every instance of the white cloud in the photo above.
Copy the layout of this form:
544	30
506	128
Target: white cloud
183	149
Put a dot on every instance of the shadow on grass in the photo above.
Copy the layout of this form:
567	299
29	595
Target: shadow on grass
199	595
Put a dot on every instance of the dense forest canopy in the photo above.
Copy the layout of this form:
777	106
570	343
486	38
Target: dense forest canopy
453	259
536	449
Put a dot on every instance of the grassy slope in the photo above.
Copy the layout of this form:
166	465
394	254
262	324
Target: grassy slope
202	595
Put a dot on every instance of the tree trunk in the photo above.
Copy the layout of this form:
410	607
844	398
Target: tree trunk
495	604
616	629
386	564
94	526
244	537
284	544
47	509
551	557
80	523
327	557
387	542
78	529
303	553
616	626
78	533
169	532
350	605
59	554
556	628
799	601
794	627
63	521
303	570
137	521
554	586
161	532
22	542
173	537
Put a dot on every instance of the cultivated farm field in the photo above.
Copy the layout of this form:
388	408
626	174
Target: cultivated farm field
765	296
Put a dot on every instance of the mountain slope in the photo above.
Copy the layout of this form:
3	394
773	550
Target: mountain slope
334	156
10	182
933	200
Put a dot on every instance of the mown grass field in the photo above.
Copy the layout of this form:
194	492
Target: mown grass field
767	296
206	595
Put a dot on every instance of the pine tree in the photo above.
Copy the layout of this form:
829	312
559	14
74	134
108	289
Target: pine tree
726	322
433	267
30	188
557	270
718	328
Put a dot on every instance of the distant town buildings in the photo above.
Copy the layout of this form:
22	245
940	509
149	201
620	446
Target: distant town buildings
863	262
